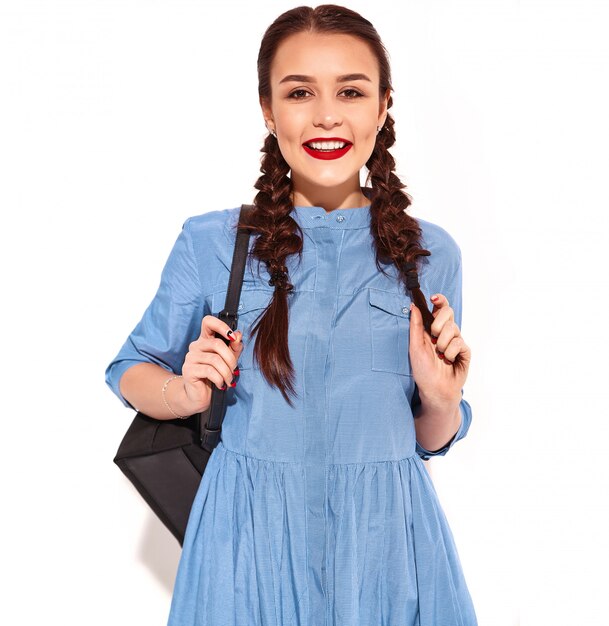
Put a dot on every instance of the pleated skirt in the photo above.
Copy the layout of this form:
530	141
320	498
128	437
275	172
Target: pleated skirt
388	557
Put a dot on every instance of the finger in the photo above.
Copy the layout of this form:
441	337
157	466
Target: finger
211	325
449	354
203	372
448	331
453	349
439	301
222	377
222	372
237	345
442	317
458	354
214	351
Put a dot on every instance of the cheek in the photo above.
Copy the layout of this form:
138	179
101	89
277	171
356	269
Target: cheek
366	125
367	134
290	122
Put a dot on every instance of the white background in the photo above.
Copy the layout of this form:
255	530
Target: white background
118	120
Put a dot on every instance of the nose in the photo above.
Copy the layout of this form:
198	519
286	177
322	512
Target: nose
327	114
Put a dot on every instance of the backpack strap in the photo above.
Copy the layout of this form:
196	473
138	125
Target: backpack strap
210	430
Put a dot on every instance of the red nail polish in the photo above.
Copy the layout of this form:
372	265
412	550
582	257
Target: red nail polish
223	387
229	334
433	298
434	340
236	372
440	355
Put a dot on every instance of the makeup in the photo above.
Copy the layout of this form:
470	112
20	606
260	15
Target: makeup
325	148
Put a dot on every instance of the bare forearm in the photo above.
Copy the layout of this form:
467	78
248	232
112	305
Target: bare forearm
436	424
141	386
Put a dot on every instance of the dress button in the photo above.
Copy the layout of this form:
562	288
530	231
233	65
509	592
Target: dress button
240	306
405	309
340	218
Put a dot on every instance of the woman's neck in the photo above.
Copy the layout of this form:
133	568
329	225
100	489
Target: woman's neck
333	198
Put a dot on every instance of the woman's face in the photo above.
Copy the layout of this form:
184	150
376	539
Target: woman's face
325	108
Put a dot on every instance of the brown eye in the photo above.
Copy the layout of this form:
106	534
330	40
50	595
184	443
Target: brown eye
298	94
352	93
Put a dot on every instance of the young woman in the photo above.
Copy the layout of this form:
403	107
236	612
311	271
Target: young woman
315	507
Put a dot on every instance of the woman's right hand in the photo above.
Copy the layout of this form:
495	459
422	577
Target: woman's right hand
210	361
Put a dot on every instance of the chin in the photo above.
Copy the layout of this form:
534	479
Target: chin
328	180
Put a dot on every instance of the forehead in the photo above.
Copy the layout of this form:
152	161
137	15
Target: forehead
323	56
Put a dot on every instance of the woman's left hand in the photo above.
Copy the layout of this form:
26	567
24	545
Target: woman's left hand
439	366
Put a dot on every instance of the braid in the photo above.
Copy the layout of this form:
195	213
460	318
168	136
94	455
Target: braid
396	234
278	237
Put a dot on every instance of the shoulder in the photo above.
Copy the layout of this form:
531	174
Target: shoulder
211	240
445	252
212	225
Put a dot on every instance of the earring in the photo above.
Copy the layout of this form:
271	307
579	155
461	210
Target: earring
378	129
272	131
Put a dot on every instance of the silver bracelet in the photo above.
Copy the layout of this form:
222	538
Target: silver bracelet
182	417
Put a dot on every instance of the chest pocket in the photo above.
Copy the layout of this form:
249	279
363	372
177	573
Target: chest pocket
251	305
390	331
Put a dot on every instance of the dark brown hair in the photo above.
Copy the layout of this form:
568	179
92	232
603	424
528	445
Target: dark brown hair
396	235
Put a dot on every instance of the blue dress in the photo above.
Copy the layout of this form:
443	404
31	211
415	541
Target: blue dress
322	514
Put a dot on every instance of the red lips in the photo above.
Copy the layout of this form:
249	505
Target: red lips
326	155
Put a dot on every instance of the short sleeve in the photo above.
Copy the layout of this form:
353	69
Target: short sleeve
452	289
171	321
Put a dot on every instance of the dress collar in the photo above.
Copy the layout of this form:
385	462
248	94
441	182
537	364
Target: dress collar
339	219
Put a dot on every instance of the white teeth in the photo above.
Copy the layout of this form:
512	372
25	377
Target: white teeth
327	145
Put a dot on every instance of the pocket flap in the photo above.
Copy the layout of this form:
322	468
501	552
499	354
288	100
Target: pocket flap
249	300
253	299
394	303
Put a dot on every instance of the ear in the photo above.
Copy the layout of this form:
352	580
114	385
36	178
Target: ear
383	108
267	112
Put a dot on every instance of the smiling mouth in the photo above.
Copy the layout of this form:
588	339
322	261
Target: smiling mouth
327	149
327	146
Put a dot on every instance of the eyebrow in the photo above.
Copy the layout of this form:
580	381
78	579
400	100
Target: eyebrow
301	78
